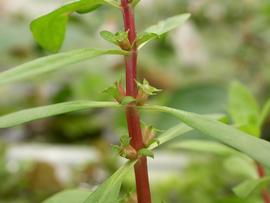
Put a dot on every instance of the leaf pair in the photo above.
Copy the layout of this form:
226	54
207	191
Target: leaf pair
257	149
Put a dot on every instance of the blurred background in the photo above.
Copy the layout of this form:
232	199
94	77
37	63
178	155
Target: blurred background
224	40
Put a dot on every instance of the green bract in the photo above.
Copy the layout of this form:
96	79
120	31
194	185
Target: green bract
146	88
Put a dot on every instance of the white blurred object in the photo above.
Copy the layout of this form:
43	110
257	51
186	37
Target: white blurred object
65	158
189	46
30	8
62	158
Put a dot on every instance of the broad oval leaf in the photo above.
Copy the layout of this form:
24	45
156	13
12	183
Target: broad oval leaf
161	28
27	115
108	192
244	109
49	30
52	62
256	148
249	186
69	196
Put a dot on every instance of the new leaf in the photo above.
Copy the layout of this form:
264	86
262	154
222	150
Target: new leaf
244	109
161	28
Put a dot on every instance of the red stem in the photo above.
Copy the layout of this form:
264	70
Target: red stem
132	114
264	192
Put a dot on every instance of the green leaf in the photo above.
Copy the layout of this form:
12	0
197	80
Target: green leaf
249	186
49	30
88	8
124	140
178	130
108	192
244	109
145	37
170	134
161	28
264	113
203	146
127	100
114	3
256	148
147	88
146	152
120	39
27	115
113	91
167	25
69	196
135	2
108	36
52	62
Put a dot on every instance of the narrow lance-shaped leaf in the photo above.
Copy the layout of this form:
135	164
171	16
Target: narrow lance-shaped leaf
256	148
108	192
180	129
244	109
170	134
49	30
27	115
52	62
265	113
69	196
161	28
248	187
203	146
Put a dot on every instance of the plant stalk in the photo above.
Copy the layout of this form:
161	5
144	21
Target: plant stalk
132	114
264	192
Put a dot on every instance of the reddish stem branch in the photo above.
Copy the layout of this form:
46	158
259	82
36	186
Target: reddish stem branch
132	114
264	192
